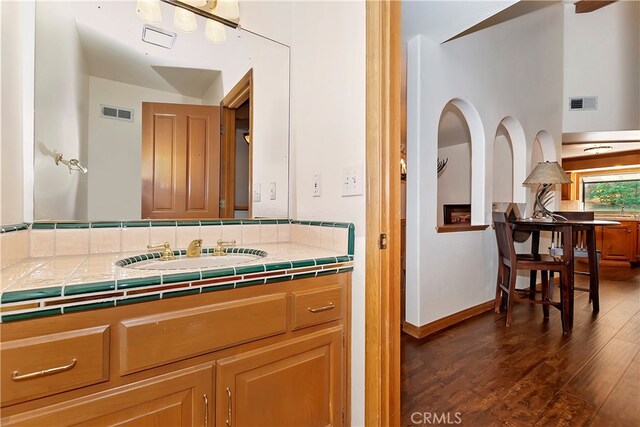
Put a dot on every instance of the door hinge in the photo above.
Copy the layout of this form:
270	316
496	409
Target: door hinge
343	416
222	204
221	129
382	241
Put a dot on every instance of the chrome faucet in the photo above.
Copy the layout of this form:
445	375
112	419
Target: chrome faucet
219	249
194	249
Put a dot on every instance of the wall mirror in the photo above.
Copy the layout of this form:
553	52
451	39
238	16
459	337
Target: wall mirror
101	92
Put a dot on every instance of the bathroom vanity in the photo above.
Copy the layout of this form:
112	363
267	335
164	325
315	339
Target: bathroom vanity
265	343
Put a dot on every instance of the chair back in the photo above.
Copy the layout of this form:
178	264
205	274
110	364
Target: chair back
579	236
504	236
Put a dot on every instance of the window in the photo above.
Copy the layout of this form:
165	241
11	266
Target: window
611	192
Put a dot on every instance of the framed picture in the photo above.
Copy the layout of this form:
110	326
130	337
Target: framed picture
457	214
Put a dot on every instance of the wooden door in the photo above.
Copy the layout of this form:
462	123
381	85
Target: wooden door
295	383
617	242
183	398
180	161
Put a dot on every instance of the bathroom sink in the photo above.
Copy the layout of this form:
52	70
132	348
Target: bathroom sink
197	263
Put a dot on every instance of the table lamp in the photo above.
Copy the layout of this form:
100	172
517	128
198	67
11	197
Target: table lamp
546	175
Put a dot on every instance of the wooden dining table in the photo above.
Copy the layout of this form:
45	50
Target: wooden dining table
567	228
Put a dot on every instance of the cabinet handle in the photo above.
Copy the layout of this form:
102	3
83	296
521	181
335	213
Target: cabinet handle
16	376
206	410
229	407
324	308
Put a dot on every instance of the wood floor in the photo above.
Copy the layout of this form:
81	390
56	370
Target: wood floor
530	374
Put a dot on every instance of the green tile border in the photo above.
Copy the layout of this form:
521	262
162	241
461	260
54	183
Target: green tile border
220	272
279	279
164	223
43	226
258	268
31	315
13	227
106	224
250	283
31	294
135	300
182	292
303	263
88	288
90	306
181	277
132	224
72	225
214	288
139	282
285	265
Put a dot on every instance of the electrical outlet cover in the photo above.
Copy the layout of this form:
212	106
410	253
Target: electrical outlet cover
257	193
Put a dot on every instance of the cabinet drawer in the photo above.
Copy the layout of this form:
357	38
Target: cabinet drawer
49	364
156	340
316	306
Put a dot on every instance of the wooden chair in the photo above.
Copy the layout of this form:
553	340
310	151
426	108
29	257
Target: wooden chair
508	264
579	251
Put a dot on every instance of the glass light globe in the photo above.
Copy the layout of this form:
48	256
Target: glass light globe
184	20
228	9
149	10
214	31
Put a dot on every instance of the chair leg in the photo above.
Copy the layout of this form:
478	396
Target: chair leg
510	296
500	280
545	293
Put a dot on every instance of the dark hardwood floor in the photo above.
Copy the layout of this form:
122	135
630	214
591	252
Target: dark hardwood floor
479	373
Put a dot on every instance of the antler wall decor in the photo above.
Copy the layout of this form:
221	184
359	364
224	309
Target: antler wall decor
442	164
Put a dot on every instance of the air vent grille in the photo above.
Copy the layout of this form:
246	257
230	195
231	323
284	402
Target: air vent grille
582	103
117	113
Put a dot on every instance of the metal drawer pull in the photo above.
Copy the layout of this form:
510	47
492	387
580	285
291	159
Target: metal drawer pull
15	376
229	407
206	410
321	309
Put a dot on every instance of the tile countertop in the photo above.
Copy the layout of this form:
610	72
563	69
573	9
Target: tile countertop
45	286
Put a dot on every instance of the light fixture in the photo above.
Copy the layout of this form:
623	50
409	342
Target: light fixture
218	13
184	20
214	31
597	149
149	10
228	9
546	175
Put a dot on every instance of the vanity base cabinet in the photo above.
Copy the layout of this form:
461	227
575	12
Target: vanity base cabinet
295	383
182	398
275	355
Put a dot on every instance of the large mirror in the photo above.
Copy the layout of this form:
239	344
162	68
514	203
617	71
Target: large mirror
146	121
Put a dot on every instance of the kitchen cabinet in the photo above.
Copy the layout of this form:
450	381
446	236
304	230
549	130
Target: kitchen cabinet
619	242
275	354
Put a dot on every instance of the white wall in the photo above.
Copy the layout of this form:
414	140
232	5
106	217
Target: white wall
494	71
502	168
61	121
16	93
328	134
602	58
115	149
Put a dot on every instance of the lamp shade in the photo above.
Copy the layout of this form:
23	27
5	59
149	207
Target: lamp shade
149	10
214	31
184	20
547	173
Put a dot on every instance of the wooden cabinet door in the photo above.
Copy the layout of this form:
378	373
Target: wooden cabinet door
617	242
183	398
180	161
295	383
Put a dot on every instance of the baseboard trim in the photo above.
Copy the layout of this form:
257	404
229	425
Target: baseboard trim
440	324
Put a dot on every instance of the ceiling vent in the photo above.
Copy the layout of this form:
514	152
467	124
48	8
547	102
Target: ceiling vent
158	36
117	113
583	103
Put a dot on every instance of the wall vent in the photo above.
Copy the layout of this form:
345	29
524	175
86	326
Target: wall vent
583	103
117	113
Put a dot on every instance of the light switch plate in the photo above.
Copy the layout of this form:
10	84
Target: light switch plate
257	193
316	185
352	181
272	191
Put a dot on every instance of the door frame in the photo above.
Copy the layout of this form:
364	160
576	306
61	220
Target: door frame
238	95
382	266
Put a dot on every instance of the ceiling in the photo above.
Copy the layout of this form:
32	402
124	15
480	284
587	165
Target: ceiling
110	35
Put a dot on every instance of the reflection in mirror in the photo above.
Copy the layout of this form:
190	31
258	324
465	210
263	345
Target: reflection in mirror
92	65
